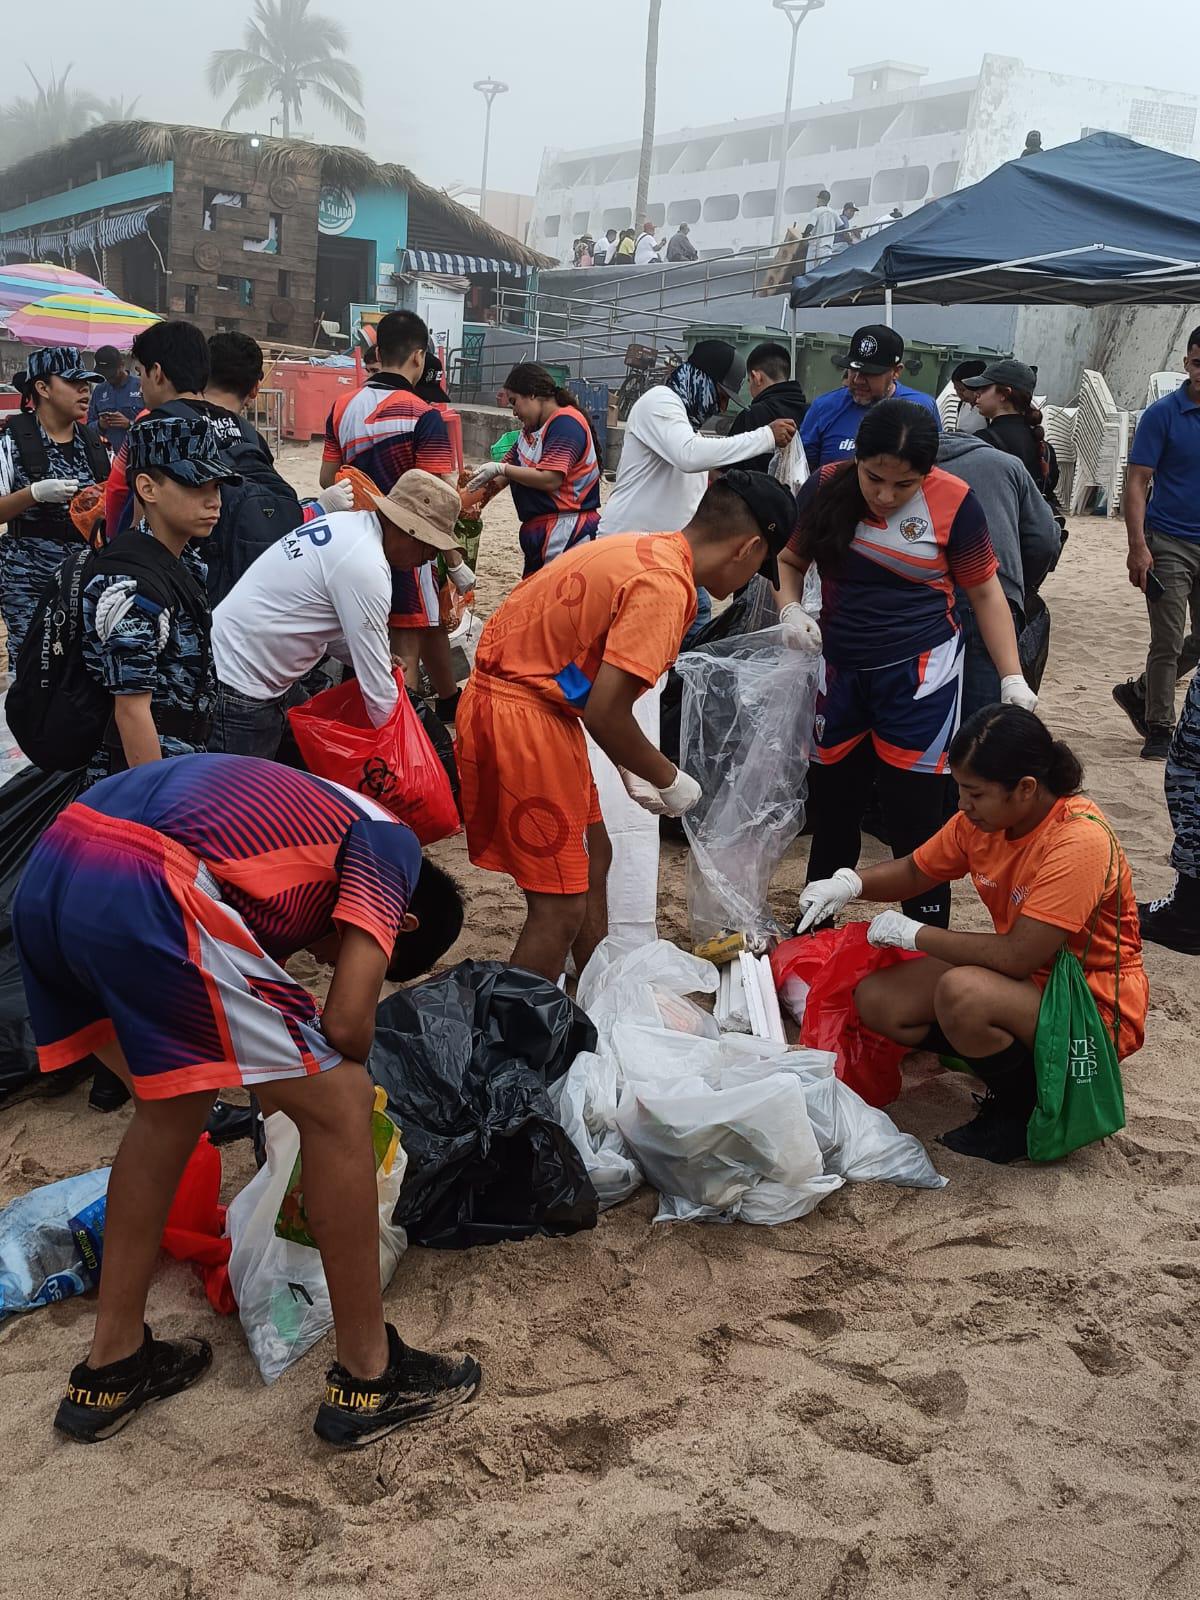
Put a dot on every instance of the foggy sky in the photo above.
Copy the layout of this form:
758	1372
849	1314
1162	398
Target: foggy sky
575	66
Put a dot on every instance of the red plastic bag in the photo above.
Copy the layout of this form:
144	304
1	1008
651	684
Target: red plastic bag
395	765
833	964
195	1229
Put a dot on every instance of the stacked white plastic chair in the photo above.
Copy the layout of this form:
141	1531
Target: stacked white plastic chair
1059	425
1102	438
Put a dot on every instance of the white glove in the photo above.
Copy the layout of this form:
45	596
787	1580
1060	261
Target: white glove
894	928
800	632
484	474
338	497
825	897
1014	691
54	491
461	576
680	795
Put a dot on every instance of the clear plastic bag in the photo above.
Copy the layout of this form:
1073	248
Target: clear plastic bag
790	465
51	1242
275	1267
745	735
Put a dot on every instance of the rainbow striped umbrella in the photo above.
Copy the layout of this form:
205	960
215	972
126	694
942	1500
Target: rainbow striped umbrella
33	280
86	320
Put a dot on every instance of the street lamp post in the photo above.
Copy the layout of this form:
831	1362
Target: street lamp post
489	88
795	11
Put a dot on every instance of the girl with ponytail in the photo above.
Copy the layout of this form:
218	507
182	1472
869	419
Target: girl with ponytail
1049	869
553	469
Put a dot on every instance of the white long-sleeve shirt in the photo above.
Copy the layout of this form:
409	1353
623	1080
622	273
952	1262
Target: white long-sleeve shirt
664	465
324	586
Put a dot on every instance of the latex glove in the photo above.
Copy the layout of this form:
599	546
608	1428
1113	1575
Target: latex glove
483	475
461	576
800	631
679	796
54	491
1014	691
338	497
894	928
825	897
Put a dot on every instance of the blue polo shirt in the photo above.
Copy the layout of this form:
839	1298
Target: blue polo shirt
123	397
829	431
1168	442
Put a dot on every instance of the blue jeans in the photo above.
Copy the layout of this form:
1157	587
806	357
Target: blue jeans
703	617
244	727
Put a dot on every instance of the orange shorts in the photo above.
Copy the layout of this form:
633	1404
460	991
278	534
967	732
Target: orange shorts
527	793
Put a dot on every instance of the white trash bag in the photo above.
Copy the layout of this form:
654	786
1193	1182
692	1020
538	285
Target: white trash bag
274	1268
745	735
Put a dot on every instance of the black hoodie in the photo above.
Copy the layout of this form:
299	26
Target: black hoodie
786	399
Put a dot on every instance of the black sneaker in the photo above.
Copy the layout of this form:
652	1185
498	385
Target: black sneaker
1162	923
1132	702
993	1134
227	1122
100	1400
357	1411
1158	743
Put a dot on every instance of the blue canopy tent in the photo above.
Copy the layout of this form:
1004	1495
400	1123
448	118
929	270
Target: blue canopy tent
1103	221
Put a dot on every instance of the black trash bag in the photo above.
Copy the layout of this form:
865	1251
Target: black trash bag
465	1059
1033	645
29	803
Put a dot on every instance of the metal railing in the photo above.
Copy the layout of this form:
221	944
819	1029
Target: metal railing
625	306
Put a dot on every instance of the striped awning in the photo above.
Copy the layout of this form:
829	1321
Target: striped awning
449	264
98	233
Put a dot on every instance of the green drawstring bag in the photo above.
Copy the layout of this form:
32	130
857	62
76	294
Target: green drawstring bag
1079	1094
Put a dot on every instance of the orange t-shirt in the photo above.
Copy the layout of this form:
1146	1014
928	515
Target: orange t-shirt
1057	874
627	599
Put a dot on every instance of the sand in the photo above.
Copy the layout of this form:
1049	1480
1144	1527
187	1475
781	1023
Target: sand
986	1392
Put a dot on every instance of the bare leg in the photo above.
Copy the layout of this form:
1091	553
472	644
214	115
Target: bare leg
899	1002
406	649
435	653
552	924
333	1113
144	1178
595	916
981	1012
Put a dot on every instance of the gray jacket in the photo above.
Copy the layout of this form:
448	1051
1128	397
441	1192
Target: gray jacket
1025	536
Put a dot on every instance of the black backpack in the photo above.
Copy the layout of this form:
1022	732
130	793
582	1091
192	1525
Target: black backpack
23	429
57	711
255	513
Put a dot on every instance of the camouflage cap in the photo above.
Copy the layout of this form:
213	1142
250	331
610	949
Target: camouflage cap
59	361
185	448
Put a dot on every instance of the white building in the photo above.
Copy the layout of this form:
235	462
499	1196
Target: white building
896	141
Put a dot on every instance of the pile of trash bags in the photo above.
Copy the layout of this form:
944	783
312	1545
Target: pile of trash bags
726	1127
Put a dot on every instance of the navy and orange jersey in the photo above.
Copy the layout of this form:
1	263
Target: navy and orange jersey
292	854
385	429
564	444
892	596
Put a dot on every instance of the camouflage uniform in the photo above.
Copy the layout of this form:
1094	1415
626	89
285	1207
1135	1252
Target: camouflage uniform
134	646
1183	785
37	542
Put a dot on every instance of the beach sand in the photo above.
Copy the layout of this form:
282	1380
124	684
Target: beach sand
986	1392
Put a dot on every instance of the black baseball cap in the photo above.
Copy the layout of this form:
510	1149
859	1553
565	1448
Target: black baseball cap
1013	374
108	358
875	349
721	361
774	509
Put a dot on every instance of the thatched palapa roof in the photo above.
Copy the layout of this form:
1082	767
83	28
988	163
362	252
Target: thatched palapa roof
156	142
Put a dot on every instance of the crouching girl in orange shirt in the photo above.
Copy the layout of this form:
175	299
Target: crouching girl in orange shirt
1047	866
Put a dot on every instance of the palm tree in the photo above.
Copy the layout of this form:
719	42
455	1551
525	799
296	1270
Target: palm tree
54	113
116	108
643	182
288	51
